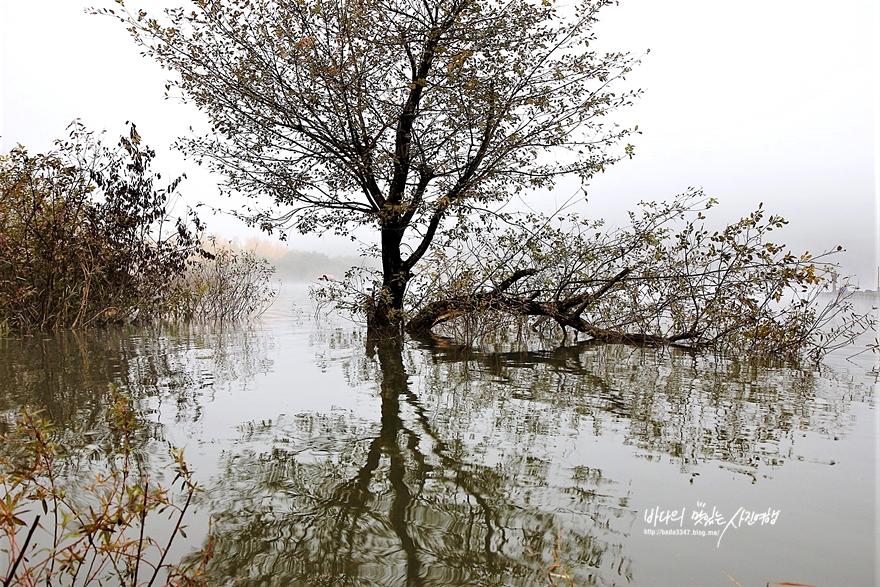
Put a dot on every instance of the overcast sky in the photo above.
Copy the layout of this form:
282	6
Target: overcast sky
773	101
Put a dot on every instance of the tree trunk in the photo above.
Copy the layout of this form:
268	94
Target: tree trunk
385	316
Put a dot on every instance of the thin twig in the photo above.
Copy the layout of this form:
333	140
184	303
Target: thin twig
173	534
20	556
137	560
732	579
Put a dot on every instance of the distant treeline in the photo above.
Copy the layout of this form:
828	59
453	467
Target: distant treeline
294	265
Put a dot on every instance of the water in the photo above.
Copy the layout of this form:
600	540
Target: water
613	464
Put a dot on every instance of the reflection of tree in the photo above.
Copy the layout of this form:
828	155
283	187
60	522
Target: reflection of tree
328	499
459	479
66	374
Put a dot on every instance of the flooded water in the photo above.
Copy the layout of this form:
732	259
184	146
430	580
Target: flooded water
324	465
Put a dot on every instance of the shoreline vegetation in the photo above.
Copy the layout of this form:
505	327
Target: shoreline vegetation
89	239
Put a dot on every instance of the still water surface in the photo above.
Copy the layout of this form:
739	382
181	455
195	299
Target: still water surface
626	466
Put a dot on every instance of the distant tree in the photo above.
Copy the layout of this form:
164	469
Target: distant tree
264	248
403	116
309	266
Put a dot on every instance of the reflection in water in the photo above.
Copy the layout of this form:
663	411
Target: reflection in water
691	408
476	472
331	499
461	467
173	370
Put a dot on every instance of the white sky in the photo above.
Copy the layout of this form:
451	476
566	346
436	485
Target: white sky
773	101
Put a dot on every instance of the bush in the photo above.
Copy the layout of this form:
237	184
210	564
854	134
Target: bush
227	285
85	236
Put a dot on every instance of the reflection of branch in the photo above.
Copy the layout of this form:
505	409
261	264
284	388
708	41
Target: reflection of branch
408	490
352	495
394	383
355	492
398	515
20	556
393	378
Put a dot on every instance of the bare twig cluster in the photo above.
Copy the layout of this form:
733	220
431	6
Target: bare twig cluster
226	286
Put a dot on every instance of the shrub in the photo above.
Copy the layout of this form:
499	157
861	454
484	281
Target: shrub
225	285
86	236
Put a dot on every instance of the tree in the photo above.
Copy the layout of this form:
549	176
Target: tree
403	116
421	119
